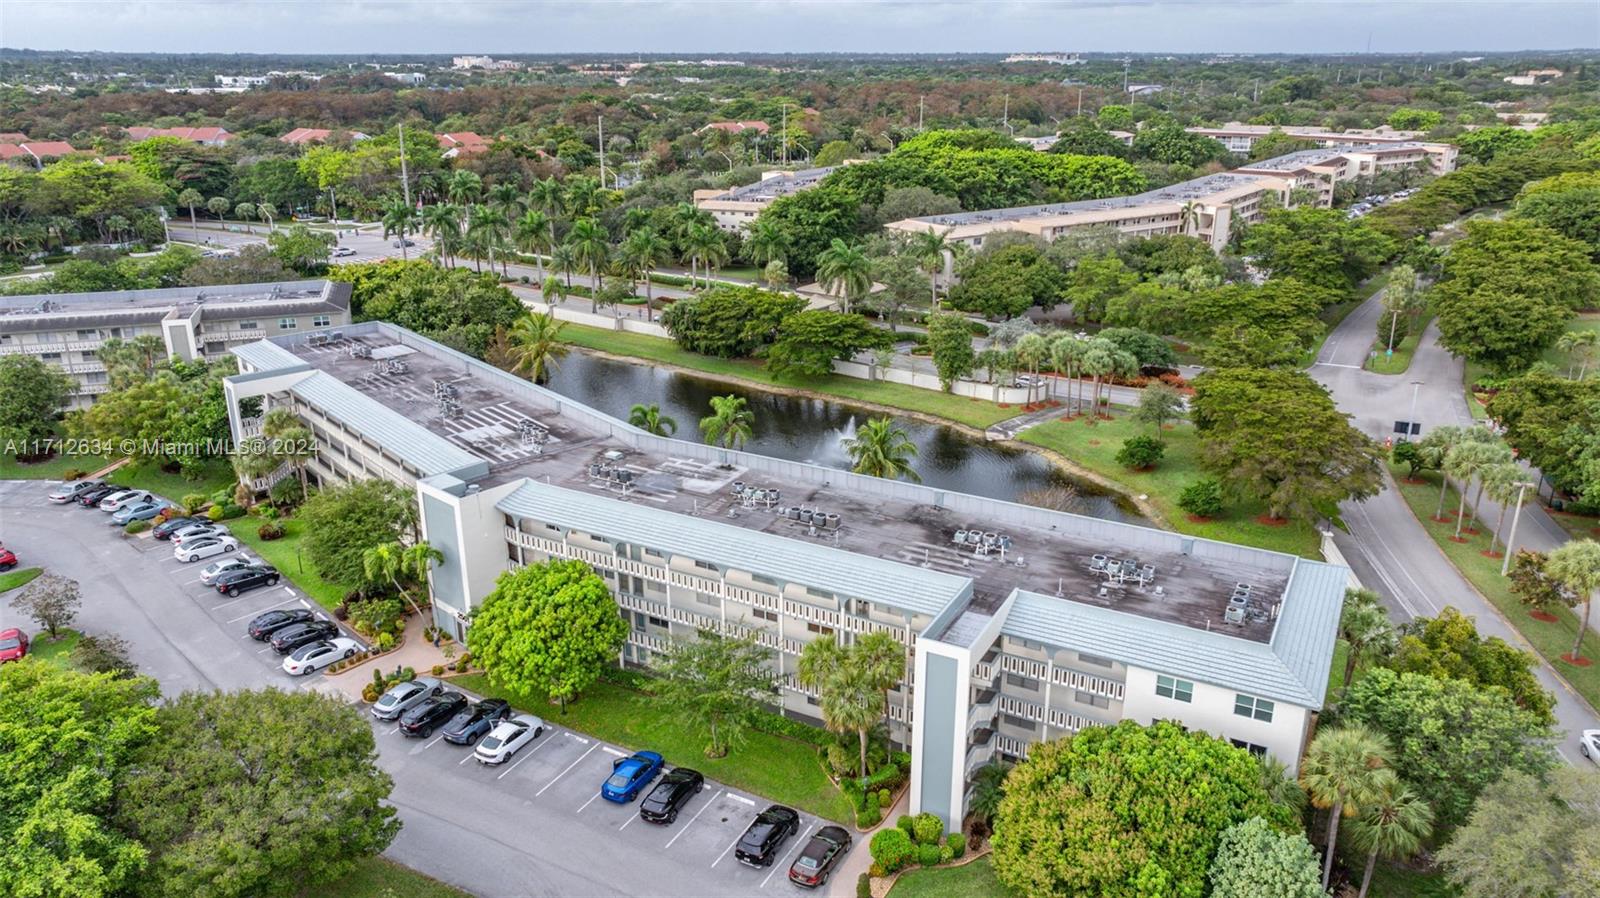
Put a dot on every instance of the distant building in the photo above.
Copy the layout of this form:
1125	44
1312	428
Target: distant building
206	136
411	78
1533	76
484	62
736	208
462	143
1144	90
736	127
1240	138
302	136
36	152
245	81
1051	58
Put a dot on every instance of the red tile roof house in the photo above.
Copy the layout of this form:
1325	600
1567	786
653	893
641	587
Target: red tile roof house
302	136
462	143
207	136
36	151
13	137
738	127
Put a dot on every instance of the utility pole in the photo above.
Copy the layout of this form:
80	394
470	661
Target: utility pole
1080	104
335	204
1515	515
1125	63
783	134
920	98
1392	323
601	142
1255	96
405	177
1411	417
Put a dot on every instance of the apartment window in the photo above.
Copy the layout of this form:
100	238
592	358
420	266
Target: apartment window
1259	751
658	622
764	614
1090	699
248	325
321	321
819	628
88	355
1095	660
1250	706
1174	688
511	552
287	324
811	700
1021	723
652	553
705	565
86	335
50	356
707	599
1022	682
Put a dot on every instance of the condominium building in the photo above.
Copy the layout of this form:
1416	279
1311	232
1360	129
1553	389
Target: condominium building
1019	624
1242	139
736	208
1321	169
68	329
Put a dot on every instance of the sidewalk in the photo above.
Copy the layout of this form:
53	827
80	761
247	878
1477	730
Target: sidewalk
415	652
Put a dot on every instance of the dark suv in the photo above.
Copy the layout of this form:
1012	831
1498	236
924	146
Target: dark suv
761	843
91	498
265	625
669	796
292	637
431	712
231	583
471	724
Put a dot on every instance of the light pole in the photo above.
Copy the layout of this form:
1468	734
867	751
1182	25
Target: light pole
1411	417
1515	515
1393	323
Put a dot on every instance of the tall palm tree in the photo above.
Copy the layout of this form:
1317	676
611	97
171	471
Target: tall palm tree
492	230
291	442
1500	482
1189	218
847	694
1032	350
1365	627
245	212
844	270
442	222
506	198
882	659
535	236
880	449
564	260
548	197
464	187
1066	354
929	249
191	198
988	787
554	291
705	245
388	561
1436	447
1344	770
400	218
730	424
649	419
1099	360
766	241
1393	825
1464	462
535	345
1577	566
583	196
591	246
1579	346
640	253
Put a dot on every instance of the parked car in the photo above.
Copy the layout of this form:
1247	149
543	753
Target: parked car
430	713
1588	743
264	625
13	644
669	796
246	578
8	559
1027	381
762	841
142	511
123	499
315	655
289	638
399	243
215	569
91	498
822	853
402	697
343	251
72	489
195	531
196	549
165	529
630	775
507	738
471	724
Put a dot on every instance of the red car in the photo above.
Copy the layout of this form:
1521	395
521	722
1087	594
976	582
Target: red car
13	644
8	559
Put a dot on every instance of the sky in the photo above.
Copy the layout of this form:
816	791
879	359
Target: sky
801	26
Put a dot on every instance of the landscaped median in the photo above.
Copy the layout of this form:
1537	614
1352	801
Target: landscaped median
784	769
1551	639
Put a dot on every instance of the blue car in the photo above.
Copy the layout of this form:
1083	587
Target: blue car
630	775
144	511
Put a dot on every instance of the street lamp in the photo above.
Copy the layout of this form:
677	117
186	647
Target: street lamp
1515	515
1411	417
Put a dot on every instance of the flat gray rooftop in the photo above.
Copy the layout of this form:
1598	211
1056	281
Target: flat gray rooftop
1192	589
1183	191
777	185
1302	158
29	311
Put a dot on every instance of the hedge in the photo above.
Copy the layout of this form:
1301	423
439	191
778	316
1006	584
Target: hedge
892	849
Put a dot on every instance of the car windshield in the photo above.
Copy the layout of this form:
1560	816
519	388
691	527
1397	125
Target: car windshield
489	742
305	651
619	781
809	862
9	643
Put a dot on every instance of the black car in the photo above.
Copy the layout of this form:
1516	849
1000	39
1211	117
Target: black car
667	798
165	529
292	637
822	853
431	712
761	843
266	624
471	724
91	498
231	583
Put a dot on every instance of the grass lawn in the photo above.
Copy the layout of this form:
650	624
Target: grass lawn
741	272
379	877
1096	448
50	469
284	554
54	651
1552	639
972	412
781	769
1401	360
1586	321
974	880
1579	526
213	475
20	577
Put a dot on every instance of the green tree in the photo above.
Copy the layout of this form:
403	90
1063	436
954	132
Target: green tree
1094	281
640	253
1254	860
1450	738
51	600
1344	770
302	249
1162	795
1087	140
1365	627
1007	278
257	793
731	423
218	206
1317	246
930	249
1488	144
851	683
399	220
343	522
1576	565
950	343
881	449
591	247
766	243
649	419
1175	146
32	393
730	322
547	629
808	342
536	345
1529	836
1141	453
1465	463
844	271
393	561
1568	204
1449	646
719	684
1407	118
988	790
192	198
1394	826
1158	404
245	212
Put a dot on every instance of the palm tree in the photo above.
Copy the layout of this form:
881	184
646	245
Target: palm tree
191	198
847	692
1365	627
506	198
1394	825
1098	360
766	242
591	246
1463	463
706	246
1066	354
290	441
218	206
464	187
554	291
1280	786
536	345
1577	566
1032	350
640	253
1501	483
491	231
399	218
1189	217
389	561
882	659
988	787
1578	345
730	424
844	270
1435	448
583	195
929	249
535	236
649	419
564	260
268	212
245	212
442	222
1344	770
547	197
880	449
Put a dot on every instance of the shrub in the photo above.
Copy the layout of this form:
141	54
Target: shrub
407	674
892	849
271	530
839	760
285	493
377	677
438	670
869	817
946	853
73	474
864	886
385	641
1203	498
461	665
957	843
885	799
927	855
136	527
231	511
214	513
906	824
369	694
888	776
1141	452
927	828
193	502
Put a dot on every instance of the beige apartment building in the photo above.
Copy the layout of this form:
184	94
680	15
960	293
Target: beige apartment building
736	208
1241	139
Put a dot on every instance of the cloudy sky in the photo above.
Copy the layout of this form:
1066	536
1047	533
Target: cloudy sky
537	26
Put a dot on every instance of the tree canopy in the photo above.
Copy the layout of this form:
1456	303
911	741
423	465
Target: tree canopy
343	522
808	342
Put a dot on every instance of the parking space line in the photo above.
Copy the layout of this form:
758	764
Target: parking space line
521	759
434	742
612	751
783	861
393	731
470	756
694	818
260	611
568	770
626	822
726	850
589	802
737	797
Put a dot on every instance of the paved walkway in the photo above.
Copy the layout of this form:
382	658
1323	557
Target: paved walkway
416	653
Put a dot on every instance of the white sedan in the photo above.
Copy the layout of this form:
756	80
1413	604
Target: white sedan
313	656
216	569
198	531
507	737
1589	745
70	490
204	547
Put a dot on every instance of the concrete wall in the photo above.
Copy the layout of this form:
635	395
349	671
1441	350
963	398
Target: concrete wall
1211	711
